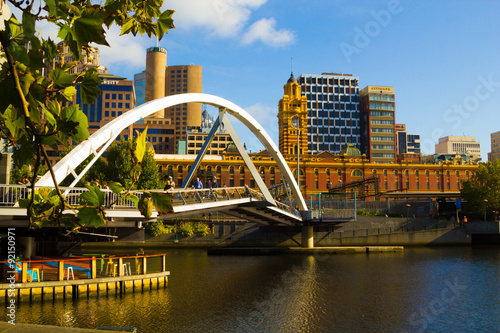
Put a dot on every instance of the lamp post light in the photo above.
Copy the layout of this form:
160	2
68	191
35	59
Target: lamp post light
407	217
485	204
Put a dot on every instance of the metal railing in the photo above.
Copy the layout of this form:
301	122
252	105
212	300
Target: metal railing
10	195
389	230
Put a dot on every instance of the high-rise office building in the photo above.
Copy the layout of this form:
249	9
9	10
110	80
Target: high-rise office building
333	111
495	146
140	88
378	122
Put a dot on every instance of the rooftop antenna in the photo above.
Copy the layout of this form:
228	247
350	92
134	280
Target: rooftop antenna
291	65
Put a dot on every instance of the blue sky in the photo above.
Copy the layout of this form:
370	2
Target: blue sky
442	57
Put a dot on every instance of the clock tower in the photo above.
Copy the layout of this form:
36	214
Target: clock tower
292	119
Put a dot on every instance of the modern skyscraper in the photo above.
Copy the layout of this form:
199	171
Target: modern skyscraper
292	119
333	111
156	61
378	122
140	88
180	80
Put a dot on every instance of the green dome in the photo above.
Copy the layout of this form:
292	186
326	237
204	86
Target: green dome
350	150
231	148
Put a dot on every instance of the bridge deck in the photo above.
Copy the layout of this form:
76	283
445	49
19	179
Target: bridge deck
241	202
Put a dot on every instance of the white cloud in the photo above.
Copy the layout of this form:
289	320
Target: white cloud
125	49
264	30
229	19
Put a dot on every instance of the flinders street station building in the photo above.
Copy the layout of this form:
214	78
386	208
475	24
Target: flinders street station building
347	170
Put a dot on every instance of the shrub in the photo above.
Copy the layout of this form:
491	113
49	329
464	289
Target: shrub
185	229
200	228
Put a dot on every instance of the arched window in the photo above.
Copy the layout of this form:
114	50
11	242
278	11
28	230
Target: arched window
231	170
374	173
407	173
457	174
179	169
357	173
242	170
339	172
396	173
316	172
271	170
328	172
416	173
467	174
219	170
426	173
385	173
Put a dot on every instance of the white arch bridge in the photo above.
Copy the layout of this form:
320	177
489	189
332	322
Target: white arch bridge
257	206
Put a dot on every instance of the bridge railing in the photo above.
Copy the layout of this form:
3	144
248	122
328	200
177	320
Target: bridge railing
10	195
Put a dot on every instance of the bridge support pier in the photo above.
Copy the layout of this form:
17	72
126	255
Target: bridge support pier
308	237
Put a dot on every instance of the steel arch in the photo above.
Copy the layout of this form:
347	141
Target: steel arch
106	135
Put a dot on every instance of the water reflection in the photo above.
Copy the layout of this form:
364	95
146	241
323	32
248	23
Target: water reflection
421	290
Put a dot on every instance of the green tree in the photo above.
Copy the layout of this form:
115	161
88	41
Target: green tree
150	174
482	190
33	114
120	167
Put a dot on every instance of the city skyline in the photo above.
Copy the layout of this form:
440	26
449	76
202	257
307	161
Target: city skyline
441	57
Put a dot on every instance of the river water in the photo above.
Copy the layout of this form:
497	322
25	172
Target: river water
420	290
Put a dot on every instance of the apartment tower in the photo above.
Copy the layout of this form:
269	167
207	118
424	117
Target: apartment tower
378	110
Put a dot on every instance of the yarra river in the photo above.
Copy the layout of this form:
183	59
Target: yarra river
453	289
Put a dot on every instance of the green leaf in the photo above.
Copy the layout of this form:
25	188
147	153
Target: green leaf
115	187
94	197
25	154
28	24
61	78
162	202
16	30
127	27
74	123
19	53
88	28
165	23
133	198
146	206
91	216
68	93
140	149
89	86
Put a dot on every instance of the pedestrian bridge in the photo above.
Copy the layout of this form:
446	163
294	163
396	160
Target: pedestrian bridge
241	202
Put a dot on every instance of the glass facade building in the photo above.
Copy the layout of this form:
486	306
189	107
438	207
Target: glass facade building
333	111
